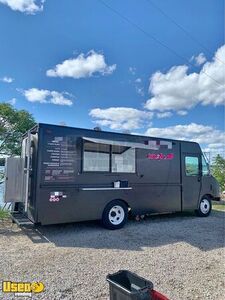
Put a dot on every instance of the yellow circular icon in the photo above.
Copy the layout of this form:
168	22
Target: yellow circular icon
37	287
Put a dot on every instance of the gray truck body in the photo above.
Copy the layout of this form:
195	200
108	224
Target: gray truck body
69	174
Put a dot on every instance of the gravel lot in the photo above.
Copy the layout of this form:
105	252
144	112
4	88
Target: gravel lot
182	255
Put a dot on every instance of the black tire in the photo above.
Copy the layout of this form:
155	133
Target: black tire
204	207
115	215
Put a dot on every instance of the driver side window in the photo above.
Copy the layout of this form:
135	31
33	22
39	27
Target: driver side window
191	166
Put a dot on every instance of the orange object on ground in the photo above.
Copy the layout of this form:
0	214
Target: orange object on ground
157	296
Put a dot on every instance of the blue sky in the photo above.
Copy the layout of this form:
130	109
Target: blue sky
86	64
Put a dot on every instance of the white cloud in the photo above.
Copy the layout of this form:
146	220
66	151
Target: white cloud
162	115
59	99
132	70
215	146
179	90
182	112
82	66
26	6
46	96
138	80
36	95
12	101
120	118
6	78
209	137
199	59
212	150
138	87
140	90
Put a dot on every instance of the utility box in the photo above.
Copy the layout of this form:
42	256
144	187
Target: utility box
14	180
125	285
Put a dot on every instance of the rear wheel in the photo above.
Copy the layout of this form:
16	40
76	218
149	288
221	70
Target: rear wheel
205	207
115	215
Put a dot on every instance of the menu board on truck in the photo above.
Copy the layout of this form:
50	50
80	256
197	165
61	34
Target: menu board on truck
59	157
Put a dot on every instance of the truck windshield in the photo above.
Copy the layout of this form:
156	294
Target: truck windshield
205	167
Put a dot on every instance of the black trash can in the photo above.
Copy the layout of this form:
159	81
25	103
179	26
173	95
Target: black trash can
125	285
124	183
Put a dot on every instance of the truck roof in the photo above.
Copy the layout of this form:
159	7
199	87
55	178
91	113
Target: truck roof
111	132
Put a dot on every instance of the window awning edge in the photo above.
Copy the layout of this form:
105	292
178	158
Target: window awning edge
118	143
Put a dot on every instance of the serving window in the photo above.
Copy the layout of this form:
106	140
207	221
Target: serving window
96	157
123	159
99	157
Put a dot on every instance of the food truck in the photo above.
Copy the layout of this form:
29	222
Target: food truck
70	174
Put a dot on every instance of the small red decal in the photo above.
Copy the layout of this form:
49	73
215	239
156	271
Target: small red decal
160	156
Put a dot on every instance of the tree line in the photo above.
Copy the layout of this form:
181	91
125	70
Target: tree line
13	124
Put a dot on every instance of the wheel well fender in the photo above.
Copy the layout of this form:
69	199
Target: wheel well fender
119	199
205	195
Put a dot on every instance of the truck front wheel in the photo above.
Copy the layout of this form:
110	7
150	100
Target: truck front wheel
205	207
115	215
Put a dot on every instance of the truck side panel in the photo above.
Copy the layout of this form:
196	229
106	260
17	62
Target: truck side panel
155	186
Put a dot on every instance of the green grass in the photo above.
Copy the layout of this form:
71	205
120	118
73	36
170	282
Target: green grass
219	206
3	213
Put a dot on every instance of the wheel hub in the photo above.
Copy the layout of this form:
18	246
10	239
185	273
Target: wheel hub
204	206
116	215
